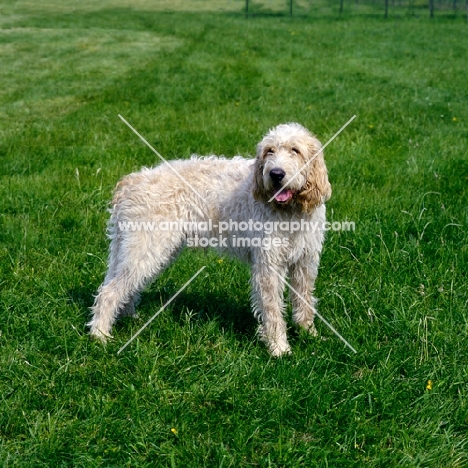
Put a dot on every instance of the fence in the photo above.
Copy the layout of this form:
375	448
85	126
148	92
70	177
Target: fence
384	7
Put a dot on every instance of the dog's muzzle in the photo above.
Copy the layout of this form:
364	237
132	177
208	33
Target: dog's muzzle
281	195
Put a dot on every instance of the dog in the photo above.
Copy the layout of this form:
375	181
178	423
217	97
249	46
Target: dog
222	201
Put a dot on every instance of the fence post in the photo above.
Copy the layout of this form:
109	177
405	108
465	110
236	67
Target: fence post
246	8
386	8
290	7
431	8
341	6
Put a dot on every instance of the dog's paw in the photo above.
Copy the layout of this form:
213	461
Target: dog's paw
308	328
278	350
311	330
128	311
98	335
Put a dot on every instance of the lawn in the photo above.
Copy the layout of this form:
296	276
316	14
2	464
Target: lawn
197	388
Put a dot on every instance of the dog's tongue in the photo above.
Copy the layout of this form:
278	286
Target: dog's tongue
284	195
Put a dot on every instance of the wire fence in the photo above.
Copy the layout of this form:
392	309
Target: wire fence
386	8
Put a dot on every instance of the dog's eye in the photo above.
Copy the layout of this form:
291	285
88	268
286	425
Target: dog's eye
295	150
270	151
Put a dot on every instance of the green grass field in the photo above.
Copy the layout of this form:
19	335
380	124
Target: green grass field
197	389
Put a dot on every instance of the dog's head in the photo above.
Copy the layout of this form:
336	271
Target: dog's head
290	169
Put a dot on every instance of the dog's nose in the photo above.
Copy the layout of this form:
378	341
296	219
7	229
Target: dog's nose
277	175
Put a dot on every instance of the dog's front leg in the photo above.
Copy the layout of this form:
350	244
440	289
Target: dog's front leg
303	275
268	306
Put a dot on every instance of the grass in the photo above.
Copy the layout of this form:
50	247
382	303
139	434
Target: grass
197	388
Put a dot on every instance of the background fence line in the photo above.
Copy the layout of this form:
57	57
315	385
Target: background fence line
290	7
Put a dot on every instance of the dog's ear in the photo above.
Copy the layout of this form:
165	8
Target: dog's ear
258	189
317	189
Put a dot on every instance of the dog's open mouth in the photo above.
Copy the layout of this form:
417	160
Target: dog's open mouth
284	196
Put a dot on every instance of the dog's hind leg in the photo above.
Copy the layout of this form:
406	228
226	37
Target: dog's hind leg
134	262
128	308
113	297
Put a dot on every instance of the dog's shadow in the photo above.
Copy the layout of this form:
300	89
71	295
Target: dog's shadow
229	307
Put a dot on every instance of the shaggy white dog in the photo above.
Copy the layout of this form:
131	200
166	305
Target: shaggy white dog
250	208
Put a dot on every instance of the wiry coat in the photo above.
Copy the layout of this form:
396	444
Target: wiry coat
286	182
